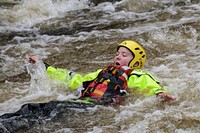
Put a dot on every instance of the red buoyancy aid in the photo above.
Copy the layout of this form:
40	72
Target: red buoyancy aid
110	82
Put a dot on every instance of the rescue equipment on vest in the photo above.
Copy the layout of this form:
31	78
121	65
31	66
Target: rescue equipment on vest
110	83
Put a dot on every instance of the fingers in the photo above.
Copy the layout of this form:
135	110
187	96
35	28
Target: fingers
166	97
32	58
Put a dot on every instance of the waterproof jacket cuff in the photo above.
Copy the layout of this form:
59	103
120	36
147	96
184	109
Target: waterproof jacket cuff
46	65
158	91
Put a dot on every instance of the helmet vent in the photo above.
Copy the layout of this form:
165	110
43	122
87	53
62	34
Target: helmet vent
143	56
137	48
141	52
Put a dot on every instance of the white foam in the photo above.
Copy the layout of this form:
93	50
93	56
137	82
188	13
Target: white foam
30	12
106	7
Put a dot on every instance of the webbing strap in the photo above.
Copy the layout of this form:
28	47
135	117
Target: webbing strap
111	78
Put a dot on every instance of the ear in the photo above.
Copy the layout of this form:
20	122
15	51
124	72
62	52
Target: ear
136	64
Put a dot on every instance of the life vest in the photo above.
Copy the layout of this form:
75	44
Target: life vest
110	83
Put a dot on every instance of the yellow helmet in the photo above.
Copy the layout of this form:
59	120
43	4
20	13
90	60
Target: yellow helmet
139	55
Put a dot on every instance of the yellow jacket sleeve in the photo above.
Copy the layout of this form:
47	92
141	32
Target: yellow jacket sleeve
144	82
71	79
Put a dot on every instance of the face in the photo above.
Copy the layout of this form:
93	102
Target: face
123	57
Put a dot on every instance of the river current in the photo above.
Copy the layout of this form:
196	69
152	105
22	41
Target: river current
82	36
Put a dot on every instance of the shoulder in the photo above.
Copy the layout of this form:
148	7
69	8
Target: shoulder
142	73
139	72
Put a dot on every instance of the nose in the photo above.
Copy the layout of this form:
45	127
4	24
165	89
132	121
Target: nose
118	57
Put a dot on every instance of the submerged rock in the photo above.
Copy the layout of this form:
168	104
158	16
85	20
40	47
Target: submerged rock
96	2
33	114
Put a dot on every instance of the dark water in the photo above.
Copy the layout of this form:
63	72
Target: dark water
81	36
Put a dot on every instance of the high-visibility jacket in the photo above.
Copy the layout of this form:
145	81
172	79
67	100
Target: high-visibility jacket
139	80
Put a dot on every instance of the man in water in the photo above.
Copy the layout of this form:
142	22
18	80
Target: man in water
130	54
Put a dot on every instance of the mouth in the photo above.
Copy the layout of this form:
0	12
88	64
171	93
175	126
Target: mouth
117	64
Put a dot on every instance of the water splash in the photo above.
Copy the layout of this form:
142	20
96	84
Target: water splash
40	81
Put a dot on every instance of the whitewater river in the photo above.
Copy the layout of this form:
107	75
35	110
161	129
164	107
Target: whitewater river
82	36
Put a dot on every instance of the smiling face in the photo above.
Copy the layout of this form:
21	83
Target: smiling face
123	57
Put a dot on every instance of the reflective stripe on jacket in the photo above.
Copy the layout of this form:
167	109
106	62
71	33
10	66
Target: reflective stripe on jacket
139	80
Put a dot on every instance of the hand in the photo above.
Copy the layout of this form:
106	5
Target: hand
32	59
166	97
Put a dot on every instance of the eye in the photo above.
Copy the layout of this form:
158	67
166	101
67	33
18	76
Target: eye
124	55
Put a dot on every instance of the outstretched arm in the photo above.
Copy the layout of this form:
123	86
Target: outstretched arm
71	79
144	82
